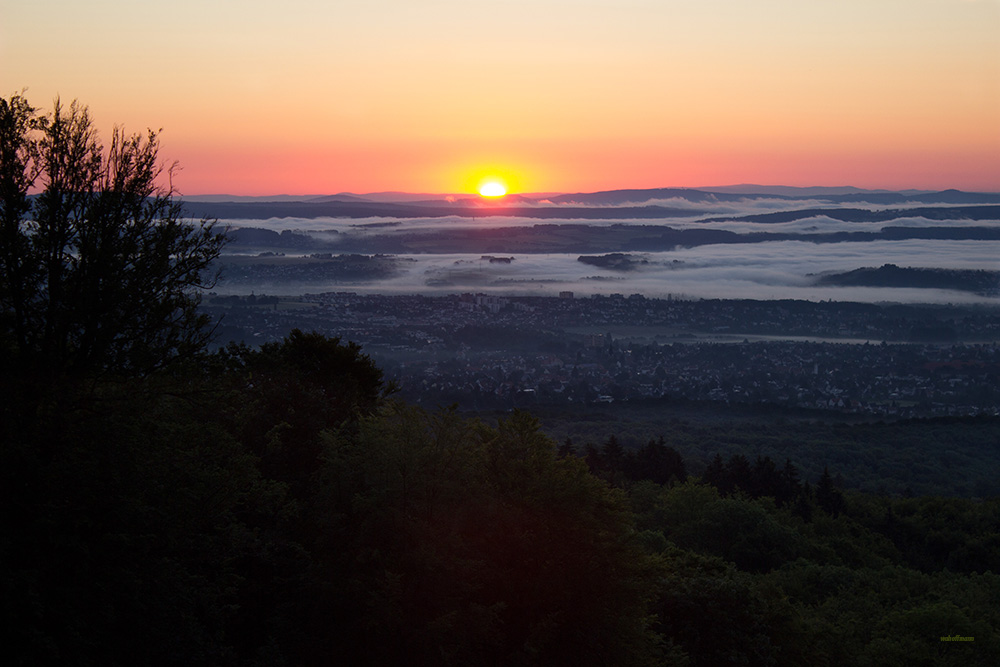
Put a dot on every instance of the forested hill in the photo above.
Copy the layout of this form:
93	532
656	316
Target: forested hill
682	204
989	212
575	238
339	209
889	275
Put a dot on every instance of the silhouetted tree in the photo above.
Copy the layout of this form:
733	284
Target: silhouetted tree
739	475
613	453
790	488
657	462
828	497
715	472
764	480
99	272
118	517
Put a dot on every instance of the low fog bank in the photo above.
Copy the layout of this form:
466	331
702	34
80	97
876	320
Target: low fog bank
370	227
774	270
705	253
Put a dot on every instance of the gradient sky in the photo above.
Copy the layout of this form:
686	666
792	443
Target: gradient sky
324	96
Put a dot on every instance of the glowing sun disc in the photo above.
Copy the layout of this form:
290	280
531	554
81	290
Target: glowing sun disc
492	189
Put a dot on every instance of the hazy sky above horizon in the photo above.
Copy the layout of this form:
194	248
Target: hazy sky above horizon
312	96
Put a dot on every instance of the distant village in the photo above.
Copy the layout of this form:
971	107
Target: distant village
484	351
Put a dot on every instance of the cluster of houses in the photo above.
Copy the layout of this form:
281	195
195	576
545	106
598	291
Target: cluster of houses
488	350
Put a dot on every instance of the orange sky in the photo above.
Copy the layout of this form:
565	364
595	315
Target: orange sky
312	96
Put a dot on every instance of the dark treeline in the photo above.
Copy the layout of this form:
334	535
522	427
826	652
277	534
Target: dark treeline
947	456
275	506
924	542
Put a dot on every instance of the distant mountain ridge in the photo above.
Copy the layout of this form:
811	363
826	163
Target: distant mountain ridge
338	209
610	204
835	195
979	213
810	191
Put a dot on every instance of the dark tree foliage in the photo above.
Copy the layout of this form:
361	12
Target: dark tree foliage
294	390
715	472
99	270
454	543
565	449
719	616
655	461
18	170
747	582
760	480
739	475
121	533
118	496
828	496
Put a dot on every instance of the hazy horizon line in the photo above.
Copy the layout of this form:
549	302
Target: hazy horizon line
750	189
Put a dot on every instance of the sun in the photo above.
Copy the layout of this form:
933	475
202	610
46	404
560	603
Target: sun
492	189
491	179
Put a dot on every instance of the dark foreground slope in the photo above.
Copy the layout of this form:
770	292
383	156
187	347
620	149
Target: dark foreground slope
272	506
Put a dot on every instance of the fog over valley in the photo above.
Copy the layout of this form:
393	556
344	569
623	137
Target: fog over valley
711	251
